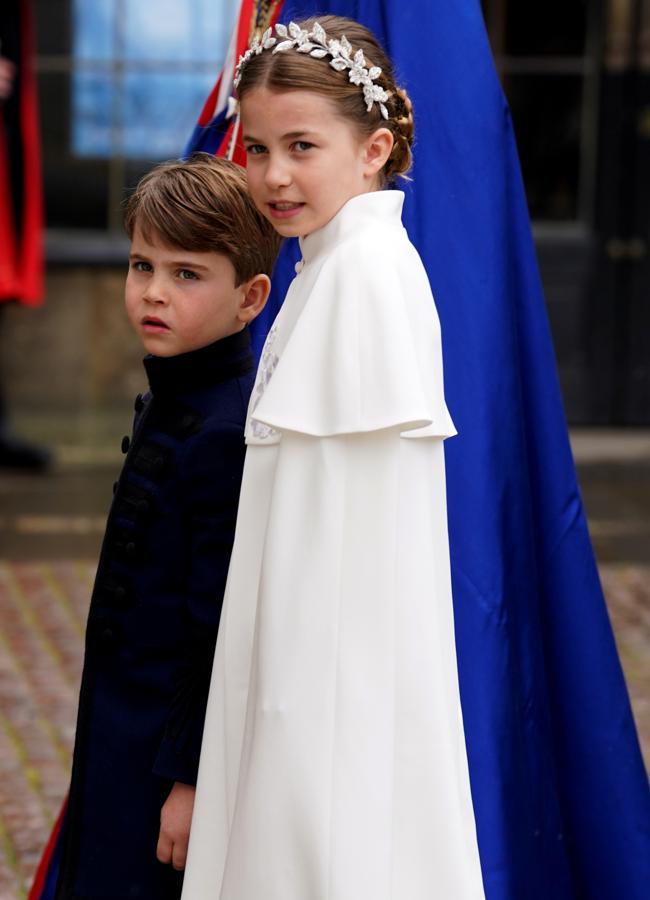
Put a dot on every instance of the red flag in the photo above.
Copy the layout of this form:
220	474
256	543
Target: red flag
216	125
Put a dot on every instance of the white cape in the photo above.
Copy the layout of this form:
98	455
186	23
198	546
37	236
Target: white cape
333	764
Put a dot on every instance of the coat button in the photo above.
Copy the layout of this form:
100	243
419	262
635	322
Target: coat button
120	594
130	549
106	636
126	443
143	506
139	403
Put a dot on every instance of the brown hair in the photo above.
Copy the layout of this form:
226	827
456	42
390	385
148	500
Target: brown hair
202	204
290	70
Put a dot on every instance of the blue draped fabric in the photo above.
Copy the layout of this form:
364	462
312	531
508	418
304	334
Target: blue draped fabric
207	138
560	791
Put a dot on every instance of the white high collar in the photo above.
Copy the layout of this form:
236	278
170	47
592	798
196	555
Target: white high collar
364	209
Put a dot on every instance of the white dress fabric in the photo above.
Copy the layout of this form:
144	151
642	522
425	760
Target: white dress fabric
333	764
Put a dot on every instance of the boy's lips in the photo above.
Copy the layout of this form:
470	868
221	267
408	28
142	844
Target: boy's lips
154	325
285	209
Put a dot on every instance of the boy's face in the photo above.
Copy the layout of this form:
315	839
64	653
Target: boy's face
179	300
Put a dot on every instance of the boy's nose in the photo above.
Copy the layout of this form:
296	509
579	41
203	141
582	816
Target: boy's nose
155	294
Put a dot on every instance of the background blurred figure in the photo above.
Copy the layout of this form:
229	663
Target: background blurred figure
21	260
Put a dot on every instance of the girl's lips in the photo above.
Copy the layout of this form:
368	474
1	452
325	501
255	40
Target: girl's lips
285	210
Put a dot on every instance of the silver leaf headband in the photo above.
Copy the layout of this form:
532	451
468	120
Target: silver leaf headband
316	43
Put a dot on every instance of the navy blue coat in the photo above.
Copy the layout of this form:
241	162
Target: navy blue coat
153	621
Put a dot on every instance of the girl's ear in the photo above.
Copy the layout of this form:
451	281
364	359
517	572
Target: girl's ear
377	150
254	295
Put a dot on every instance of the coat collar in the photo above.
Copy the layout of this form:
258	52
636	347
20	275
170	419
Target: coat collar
227	358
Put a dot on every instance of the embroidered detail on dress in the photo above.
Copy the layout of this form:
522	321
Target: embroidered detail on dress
268	363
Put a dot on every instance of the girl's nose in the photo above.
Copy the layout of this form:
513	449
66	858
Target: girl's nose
277	174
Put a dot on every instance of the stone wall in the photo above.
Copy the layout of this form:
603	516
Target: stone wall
72	367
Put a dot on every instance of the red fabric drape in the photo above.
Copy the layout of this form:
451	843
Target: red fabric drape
40	879
21	252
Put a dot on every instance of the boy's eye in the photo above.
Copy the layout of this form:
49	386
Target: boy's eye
187	275
255	149
141	266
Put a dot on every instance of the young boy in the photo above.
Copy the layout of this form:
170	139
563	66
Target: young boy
198	274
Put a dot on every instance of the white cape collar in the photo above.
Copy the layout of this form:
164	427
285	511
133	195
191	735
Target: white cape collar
385	206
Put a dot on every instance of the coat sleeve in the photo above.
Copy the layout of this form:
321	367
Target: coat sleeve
210	478
365	352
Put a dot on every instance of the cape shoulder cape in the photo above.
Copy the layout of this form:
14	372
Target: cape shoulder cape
358	339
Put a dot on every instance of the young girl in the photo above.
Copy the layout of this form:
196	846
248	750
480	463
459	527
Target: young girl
333	761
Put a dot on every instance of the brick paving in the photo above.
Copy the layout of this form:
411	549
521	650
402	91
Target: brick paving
42	610
627	588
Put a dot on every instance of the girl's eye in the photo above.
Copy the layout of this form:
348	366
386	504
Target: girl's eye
255	149
301	146
187	275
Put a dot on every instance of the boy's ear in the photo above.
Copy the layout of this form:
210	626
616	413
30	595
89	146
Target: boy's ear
377	150
255	293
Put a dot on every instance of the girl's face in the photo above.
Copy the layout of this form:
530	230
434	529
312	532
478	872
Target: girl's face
304	160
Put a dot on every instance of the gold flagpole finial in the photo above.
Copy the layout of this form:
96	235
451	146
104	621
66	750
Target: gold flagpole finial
263	13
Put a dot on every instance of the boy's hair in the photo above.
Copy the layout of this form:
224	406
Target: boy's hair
202	204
